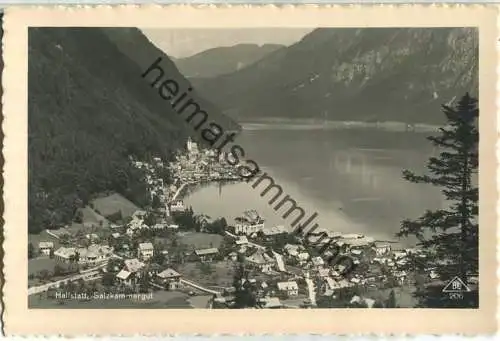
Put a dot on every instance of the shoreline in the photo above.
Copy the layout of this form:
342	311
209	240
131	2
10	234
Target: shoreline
191	187
195	187
391	127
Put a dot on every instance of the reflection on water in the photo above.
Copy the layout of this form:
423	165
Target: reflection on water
351	178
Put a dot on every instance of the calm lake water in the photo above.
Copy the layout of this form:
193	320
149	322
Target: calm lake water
352	178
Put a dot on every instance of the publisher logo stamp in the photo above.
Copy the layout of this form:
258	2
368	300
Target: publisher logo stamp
455	288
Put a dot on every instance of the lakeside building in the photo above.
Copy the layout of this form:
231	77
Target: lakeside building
247	228
252	216
177	206
249	223
274	231
382	249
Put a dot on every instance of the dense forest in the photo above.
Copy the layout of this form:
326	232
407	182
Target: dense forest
88	111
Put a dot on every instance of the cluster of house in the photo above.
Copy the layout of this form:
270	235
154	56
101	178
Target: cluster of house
152	180
269	296
138	223
201	165
360	249
134	270
165	193
93	255
251	224
293	257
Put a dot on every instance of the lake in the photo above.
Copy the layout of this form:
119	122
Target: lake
350	177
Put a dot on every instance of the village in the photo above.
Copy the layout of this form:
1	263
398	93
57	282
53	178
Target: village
192	260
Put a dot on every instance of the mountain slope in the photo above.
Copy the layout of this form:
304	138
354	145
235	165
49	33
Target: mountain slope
354	74
222	60
88	111
136	46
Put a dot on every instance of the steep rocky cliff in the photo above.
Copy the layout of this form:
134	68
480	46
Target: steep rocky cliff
354	74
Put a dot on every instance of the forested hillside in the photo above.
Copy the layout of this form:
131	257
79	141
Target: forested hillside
134	44
89	110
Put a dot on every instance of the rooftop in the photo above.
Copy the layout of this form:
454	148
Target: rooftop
206	251
260	257
169	273
271	231
123	274
291	285
242	240
65	252
44	245
271	302
133	265
146	246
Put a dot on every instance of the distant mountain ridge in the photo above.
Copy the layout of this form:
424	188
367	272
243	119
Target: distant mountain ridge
354	74
223	60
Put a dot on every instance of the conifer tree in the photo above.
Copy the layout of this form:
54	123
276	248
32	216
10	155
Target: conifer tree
450	235
391	301
244	295
31	251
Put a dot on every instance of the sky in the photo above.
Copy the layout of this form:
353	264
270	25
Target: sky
187	42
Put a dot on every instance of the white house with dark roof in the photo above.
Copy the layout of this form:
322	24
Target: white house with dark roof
290	288
145	251
45	247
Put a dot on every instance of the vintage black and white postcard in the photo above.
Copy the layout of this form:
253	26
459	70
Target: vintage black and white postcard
250	170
